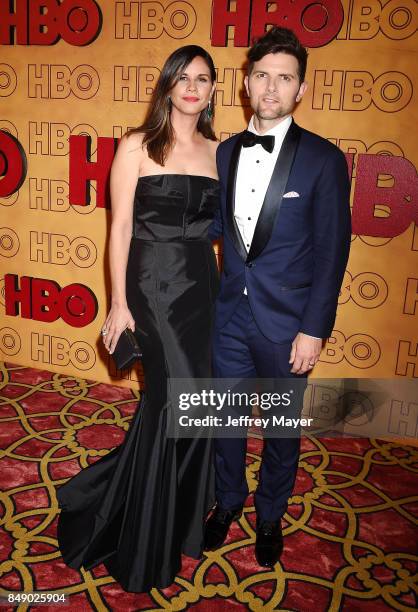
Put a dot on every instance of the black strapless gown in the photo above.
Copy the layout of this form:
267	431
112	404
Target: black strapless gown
142	505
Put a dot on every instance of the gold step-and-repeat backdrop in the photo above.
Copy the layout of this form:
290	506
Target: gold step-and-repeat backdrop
75	74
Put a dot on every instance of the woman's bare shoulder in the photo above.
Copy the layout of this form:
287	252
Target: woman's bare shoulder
131	151
132	141
213	145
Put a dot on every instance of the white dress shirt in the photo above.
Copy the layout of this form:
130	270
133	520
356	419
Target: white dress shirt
255	168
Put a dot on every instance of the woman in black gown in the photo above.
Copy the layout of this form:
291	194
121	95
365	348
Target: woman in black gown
141	506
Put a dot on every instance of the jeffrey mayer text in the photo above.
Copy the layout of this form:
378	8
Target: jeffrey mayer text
242	421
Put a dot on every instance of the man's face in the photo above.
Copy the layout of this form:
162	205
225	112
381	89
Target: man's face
273	87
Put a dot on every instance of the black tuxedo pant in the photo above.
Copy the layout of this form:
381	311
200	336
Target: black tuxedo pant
240	350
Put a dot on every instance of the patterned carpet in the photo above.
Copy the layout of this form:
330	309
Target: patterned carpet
350	533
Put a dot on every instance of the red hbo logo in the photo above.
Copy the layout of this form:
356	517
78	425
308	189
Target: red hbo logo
400	199
78	22
13	164
42	299
315	23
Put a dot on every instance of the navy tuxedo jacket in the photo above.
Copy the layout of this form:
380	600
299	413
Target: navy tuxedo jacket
295	266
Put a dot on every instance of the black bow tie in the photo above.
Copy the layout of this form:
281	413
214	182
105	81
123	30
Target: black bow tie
249	139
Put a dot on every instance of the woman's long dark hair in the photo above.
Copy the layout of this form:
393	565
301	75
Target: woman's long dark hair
157	128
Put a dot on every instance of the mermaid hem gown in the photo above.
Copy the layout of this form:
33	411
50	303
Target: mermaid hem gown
142	505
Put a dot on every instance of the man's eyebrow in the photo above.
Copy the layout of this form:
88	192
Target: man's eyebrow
290	74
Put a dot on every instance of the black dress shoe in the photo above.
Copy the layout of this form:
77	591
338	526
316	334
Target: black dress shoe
217	526
269	542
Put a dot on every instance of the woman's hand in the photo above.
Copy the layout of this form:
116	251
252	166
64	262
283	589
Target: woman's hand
118	319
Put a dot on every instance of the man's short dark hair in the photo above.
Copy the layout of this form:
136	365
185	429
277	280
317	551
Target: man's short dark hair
279	40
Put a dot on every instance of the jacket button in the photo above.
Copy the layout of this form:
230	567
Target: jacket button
250	264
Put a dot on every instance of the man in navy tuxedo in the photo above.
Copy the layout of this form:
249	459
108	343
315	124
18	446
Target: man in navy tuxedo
285	222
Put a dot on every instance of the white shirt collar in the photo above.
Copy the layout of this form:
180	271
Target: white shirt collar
278	131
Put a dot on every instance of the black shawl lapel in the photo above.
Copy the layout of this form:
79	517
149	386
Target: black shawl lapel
230	200
275	191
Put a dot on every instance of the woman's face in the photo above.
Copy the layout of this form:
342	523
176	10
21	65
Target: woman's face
191	94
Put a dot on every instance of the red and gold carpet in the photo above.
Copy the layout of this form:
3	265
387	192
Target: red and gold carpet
350	532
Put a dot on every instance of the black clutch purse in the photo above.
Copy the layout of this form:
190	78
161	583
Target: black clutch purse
127	350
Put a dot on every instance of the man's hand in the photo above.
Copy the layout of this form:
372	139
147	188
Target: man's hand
305	353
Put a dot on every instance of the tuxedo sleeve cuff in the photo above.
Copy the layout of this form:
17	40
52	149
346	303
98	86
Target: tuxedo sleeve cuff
316	329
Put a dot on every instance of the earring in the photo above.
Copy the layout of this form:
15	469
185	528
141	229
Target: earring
209	111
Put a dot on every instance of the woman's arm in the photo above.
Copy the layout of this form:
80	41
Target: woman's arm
123	181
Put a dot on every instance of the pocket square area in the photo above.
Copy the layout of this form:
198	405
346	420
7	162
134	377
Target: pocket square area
291	194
